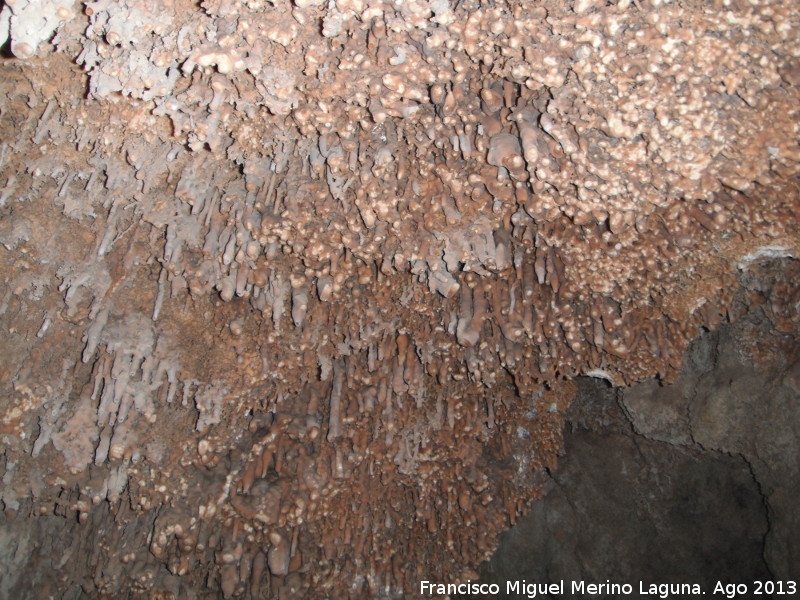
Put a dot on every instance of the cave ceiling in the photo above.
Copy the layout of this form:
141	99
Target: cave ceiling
294	292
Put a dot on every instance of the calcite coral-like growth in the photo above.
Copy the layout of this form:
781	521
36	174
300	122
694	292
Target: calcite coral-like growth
293	290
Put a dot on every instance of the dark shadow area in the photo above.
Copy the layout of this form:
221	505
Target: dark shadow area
657	485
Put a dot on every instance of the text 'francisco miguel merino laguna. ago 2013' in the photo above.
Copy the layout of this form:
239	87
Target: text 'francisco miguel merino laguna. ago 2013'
574	589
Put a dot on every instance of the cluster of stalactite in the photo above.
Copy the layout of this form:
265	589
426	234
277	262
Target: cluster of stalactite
293	291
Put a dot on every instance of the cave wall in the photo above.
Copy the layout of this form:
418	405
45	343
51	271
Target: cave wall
691	482
286	278
625	509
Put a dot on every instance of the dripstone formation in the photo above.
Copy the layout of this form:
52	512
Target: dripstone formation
293	292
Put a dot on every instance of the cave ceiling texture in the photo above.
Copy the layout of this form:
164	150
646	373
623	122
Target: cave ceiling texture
294	293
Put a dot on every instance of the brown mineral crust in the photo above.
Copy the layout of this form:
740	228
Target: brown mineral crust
283	279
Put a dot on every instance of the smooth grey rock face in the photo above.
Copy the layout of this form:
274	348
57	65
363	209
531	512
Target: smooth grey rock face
691	482
625	509
754	411
661	412
658	412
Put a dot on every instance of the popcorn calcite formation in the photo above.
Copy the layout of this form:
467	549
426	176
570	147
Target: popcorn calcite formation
293	293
